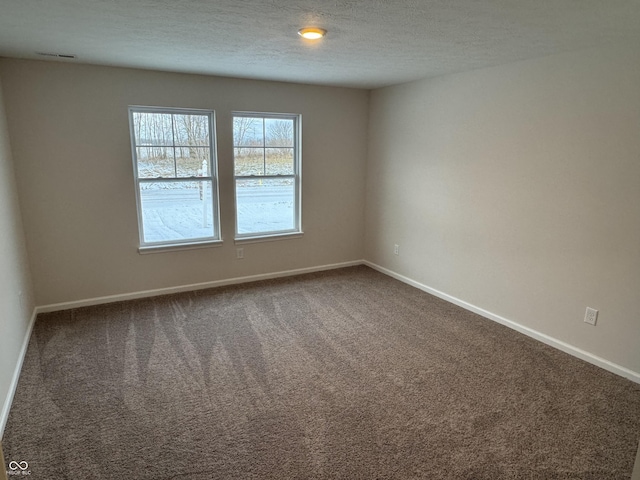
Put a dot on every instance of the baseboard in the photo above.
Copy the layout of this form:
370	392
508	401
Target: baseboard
194	286
6	406
553	342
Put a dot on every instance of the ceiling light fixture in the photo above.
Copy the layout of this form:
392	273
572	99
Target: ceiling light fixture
312	33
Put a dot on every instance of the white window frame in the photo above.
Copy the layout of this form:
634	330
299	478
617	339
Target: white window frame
296	231
170	245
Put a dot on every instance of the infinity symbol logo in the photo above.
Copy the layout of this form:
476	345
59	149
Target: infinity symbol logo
13	465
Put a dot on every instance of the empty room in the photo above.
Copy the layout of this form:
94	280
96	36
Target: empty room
320	240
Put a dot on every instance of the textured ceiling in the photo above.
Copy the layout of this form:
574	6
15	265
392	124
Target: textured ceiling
371	43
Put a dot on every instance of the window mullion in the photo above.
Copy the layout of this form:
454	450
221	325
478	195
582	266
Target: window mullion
264	145
173	138
174	179
269	177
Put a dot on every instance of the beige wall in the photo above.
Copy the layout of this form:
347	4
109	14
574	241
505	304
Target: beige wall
16	295
69	131
517	189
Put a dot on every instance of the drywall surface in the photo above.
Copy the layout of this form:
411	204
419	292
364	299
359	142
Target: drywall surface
16	296
70	135
517	189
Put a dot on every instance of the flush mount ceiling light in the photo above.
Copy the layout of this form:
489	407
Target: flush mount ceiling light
312	33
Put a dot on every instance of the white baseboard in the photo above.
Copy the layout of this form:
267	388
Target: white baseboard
553	342
188	288
6	406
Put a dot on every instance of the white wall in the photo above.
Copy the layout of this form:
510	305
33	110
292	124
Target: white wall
16	296
517	189
70	137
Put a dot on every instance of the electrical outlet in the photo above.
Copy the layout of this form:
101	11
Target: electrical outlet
396	249
591	316
239	253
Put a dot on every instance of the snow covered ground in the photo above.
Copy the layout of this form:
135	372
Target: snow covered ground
177	212
265	208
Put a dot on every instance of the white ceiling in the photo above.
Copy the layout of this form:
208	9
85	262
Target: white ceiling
371	43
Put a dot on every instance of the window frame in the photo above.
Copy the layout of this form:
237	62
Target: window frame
296	231
170	245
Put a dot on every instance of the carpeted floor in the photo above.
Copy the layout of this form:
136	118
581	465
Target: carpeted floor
346	374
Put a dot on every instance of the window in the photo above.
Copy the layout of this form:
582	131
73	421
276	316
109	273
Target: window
174	166
266	153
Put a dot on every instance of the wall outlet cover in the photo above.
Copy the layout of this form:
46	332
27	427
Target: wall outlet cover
591	316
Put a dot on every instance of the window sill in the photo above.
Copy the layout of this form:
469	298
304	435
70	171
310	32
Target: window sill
268	238
174	247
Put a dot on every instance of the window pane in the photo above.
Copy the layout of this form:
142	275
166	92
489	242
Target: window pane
265	205
279	161
155	162
176	210
192	161
248	132
249	161
279	132
191	129
152	128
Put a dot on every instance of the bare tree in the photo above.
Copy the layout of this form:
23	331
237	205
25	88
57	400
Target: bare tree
245	133
280	133
192	130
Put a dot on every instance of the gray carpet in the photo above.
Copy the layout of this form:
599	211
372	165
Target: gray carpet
346	374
